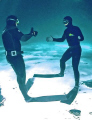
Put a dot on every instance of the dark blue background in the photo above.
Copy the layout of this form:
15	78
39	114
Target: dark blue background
46	16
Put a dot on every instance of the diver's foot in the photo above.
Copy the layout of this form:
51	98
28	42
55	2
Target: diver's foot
77	84
66	101
76	87
29	99
61	74
74	92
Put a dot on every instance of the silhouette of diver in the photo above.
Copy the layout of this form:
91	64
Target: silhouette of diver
11	37
73	35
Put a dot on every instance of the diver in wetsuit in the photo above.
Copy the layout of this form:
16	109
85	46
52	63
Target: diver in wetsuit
73	35
11	37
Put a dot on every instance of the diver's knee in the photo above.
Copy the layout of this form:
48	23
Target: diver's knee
62	61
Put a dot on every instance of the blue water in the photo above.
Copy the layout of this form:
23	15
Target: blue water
47	55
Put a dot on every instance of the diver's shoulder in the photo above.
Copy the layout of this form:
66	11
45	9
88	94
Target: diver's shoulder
76	27
6	29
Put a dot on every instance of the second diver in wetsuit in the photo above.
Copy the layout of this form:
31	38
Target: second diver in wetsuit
73	35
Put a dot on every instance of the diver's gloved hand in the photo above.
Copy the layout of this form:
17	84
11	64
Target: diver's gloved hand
49	39
33	33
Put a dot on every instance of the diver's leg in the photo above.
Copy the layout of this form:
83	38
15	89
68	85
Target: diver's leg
75	64
66	56
18	66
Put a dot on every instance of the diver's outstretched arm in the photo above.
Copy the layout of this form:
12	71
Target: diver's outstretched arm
26	37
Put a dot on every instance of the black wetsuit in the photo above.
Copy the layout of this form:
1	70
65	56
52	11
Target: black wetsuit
71	35
11	39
